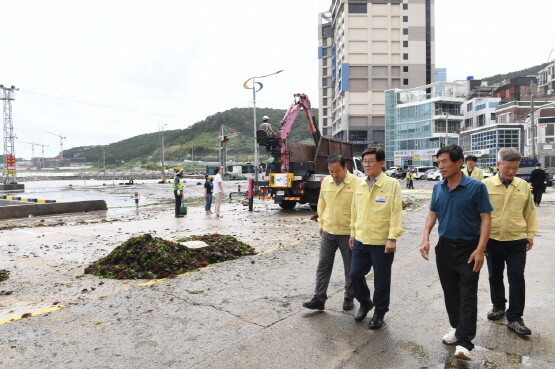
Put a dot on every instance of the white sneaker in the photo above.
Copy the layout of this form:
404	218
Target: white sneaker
462	353
450	338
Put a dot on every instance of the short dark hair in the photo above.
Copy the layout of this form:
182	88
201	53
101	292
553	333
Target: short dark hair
471	158
538	164
217	170
337	158
455	152
206	176
380	154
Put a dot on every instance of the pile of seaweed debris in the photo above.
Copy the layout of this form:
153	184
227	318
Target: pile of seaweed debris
148	257
4	274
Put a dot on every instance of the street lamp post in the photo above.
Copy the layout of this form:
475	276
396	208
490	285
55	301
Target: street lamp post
161	132
256	165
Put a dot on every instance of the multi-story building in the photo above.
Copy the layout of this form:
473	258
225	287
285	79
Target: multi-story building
518	89
365	48
544	123
419	121
483	134
546	80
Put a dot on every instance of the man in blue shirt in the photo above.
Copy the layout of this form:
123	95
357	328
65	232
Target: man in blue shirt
461	205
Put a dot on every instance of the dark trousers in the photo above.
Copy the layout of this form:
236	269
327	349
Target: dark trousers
512	253
538	192
328	248
208	203
460	287
177	202
363	259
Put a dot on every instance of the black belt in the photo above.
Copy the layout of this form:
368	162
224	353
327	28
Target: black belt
456	243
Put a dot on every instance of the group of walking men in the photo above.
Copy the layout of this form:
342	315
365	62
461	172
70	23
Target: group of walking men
494	219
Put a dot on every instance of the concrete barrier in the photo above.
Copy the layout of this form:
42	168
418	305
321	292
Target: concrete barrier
24	210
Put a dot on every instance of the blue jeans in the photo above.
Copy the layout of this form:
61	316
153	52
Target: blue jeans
365	257
208	202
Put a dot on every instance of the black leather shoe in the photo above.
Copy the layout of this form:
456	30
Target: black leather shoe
348	304
496	314
377	320
519	328
315	304
365	307
179	215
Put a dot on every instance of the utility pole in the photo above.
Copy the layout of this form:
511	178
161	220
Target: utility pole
161	132
9	174
104	161
532	125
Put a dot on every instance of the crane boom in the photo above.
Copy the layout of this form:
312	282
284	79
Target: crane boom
62	138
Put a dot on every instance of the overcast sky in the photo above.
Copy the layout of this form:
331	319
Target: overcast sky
176	62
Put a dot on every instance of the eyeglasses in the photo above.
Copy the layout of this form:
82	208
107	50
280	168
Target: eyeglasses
369	162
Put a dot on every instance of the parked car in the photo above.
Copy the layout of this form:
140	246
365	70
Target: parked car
435	175
391	170
420	172
429	171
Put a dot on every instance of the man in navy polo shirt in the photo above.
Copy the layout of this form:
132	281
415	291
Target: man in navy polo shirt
461	205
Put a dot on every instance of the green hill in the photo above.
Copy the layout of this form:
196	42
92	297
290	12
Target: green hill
498	78
201	136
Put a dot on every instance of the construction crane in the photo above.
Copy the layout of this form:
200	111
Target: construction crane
33	144
224	138
62	138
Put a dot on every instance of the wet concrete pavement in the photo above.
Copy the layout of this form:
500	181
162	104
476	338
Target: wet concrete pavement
247	313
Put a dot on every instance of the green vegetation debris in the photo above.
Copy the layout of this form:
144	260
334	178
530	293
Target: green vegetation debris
411	203
4	274
148	257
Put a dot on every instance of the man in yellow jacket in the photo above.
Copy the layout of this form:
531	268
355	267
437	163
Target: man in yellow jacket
375	227
334	218
513	227
471	169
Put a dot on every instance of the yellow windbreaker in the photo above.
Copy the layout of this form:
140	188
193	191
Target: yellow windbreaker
376	214
477	173
514	213
334	205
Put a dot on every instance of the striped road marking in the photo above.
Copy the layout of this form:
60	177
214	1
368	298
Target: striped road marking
34	313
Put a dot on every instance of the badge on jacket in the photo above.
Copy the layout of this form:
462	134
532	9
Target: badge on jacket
380	198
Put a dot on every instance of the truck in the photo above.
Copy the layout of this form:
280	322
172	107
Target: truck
527	165
294	171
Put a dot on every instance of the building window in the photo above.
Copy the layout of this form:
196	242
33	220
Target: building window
550	133
325	51
405	68
325	111
405	6
405	44
325	71
405	56
357	8
325	101
481	120
405	18
325	92
405	81
405	31
469	107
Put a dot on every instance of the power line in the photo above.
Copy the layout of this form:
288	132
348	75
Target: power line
100	105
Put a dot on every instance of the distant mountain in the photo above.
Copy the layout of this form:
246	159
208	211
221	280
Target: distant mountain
201	138
498	78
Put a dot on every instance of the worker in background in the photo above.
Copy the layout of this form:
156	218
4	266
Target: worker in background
410	179
208	187
218	191
177	186
375	227
513	227
461	205
471	169
538	185
266	126
336	195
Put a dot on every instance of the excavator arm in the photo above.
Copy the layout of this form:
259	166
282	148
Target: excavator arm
301	103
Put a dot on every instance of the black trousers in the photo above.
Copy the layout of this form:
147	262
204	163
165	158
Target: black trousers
177	202
512	253
364	258
460	287
538	192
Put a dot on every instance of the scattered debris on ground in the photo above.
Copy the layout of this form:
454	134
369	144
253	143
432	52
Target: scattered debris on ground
4	274
412	203
148	257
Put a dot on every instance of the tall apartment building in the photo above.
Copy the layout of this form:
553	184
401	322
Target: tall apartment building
365	48
546	80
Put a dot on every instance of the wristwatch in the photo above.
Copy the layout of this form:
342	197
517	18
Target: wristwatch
392	239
